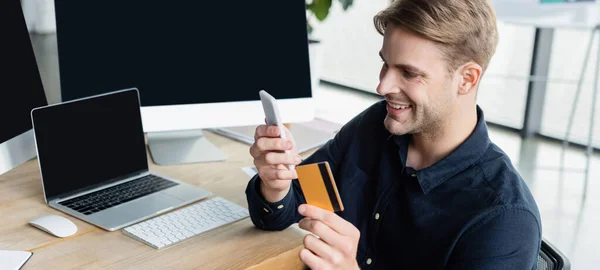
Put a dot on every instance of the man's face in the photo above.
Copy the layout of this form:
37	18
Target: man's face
415	81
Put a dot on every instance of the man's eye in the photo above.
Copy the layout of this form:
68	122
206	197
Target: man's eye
410	75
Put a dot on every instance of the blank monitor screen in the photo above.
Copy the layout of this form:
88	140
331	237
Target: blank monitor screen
184	52
21	87
89	142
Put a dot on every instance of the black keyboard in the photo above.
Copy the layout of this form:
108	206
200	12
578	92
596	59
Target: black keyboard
115	195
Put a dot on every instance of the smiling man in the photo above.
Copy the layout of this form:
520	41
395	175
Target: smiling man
422	184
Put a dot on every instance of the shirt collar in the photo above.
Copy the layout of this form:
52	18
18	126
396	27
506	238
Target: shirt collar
463	157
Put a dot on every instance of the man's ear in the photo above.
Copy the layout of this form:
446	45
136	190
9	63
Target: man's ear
470	74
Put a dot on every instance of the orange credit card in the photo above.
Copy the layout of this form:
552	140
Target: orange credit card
318	186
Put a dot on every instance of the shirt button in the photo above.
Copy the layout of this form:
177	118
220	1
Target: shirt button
377	216
280	206
369	261
414	175
266	210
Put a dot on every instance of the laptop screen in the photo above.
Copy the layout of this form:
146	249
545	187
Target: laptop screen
89	142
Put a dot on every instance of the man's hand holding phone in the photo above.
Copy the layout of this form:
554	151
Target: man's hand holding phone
275	156
272	155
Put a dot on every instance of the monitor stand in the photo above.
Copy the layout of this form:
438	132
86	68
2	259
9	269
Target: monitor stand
182	147
16	151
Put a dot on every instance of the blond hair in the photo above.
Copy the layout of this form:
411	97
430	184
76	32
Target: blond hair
465	29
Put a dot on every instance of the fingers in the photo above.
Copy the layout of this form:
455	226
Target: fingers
321	250
277	174
265	144
254	152
257	151
274	158
330	219
266	131
311	260
274	172
321	230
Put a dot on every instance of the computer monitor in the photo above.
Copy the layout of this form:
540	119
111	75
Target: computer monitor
197	64
21	87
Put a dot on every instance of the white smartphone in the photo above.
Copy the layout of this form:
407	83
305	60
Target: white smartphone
269	104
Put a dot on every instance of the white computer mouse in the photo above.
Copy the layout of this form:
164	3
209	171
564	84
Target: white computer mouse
55	225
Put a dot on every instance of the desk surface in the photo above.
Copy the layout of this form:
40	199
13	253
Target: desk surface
235	246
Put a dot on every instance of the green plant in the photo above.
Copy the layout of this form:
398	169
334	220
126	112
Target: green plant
320	9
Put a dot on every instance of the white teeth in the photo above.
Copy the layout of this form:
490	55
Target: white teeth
399	107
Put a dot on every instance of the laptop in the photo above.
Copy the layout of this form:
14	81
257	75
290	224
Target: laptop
93	163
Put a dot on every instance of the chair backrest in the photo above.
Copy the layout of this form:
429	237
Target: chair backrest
550	258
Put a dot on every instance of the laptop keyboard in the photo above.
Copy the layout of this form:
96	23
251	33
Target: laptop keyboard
119	194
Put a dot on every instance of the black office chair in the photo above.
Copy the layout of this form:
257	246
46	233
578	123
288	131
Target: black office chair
550	258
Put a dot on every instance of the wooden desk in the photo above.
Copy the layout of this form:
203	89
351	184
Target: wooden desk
236	246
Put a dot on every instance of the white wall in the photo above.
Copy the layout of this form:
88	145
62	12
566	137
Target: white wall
566	64
351	45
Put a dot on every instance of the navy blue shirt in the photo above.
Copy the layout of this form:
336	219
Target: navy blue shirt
470	210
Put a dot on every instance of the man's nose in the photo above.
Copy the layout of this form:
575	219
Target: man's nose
388	84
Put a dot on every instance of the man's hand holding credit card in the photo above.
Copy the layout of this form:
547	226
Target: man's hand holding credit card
334	241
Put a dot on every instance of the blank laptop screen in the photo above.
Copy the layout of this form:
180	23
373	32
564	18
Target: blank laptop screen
89	142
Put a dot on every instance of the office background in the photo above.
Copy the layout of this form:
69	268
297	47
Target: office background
349	68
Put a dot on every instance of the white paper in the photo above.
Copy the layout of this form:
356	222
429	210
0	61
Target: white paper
13	260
